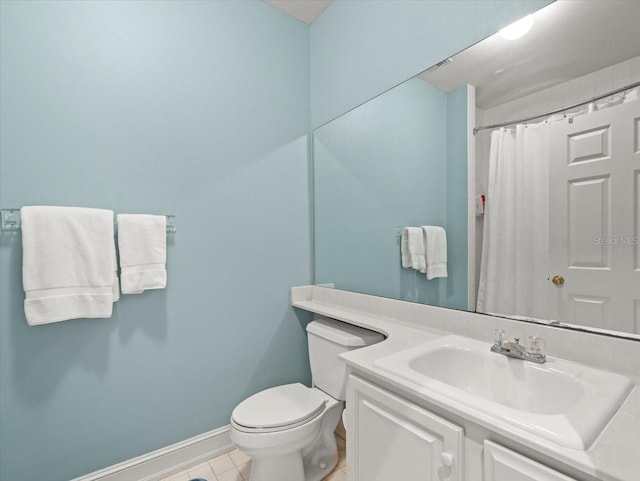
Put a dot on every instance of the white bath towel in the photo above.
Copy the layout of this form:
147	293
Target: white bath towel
435	247
412	249
142	240
116	280
68	259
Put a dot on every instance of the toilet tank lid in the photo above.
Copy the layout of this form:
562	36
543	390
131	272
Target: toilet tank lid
342	333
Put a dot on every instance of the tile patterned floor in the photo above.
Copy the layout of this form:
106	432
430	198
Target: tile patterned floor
236	466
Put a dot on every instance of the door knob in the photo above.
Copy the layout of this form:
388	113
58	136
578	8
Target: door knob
558	280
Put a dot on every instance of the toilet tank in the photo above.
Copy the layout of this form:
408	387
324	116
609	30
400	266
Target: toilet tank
329	338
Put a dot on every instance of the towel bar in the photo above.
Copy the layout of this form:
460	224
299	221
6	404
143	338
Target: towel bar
11	220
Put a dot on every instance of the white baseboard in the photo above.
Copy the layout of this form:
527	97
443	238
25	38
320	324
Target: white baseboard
166	461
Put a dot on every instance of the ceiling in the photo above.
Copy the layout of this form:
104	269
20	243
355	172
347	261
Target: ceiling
304	10
569	38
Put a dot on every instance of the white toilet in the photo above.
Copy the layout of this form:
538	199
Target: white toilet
288	430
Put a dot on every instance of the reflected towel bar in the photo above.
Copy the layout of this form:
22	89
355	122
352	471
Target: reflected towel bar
11	220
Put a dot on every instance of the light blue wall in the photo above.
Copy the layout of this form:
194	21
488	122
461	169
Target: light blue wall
199	109
377	167
359	49
457	207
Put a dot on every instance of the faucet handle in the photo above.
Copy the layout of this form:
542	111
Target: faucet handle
536	346
517	339
499	336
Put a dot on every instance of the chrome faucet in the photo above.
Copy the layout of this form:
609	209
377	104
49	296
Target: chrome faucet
534	352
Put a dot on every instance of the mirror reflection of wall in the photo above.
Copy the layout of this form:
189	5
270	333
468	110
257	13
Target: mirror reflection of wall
394	162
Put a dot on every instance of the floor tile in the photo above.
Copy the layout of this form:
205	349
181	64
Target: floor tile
231	475
203	471
238	457
245	470
221	464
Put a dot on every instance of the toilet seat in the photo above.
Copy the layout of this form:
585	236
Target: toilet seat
279	408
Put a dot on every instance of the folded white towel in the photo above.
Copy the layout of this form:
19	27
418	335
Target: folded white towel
116	280
142	240
68	259
412	248
435	242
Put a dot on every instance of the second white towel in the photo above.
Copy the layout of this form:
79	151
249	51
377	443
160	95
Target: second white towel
142	240
435	248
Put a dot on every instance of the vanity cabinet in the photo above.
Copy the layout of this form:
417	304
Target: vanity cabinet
502	464
392	438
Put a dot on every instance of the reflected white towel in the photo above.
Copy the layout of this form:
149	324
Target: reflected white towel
412	248
68	263
435	242
142	240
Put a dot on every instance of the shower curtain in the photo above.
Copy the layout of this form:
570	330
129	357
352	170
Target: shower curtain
515	250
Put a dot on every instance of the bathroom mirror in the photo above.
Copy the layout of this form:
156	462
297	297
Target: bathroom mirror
526	151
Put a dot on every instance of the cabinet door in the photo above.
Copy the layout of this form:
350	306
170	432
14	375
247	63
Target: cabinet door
390	438
502	464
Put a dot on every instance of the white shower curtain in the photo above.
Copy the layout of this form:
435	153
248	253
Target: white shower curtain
515	250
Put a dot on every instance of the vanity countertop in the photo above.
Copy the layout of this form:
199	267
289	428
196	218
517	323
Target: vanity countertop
612	457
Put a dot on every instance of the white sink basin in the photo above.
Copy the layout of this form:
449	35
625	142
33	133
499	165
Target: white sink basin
561	401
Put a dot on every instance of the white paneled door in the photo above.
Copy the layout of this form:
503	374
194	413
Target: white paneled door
595	218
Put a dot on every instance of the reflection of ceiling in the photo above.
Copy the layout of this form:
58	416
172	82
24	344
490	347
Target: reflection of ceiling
304	10
569	38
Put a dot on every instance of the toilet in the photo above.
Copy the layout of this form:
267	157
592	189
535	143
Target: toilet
288	430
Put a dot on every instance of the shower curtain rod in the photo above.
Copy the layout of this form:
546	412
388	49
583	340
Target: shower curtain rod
557	111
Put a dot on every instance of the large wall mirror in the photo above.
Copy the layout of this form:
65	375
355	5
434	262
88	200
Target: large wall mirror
525	150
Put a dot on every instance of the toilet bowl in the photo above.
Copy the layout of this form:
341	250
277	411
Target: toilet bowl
294	449
288	430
